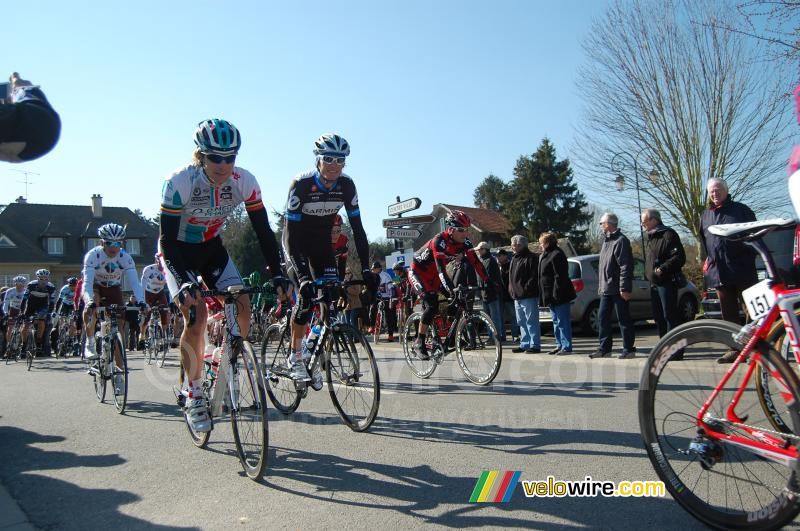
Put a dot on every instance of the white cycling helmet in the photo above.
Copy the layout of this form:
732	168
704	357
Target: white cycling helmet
218	137
331	144
111	232
19	279
42	273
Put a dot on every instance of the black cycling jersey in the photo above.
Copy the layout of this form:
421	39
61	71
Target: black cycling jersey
310	212
38	297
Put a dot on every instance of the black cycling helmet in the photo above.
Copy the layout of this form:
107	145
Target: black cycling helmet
72	281
376	264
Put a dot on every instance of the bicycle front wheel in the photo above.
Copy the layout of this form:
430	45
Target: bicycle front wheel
249	413
275	350
163	347
722	484
119	375
352	375
150	346
478	349
30	349
421	368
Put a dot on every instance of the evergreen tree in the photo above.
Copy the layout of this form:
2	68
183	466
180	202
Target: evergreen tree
543	197
491	193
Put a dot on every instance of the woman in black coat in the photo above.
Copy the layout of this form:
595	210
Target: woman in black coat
556	291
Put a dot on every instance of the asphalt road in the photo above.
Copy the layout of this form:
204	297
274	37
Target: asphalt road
73	463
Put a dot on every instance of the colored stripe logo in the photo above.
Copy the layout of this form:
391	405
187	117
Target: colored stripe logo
494	486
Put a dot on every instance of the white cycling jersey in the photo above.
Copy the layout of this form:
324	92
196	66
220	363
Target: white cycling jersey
99	268
153	279
203	206
12	299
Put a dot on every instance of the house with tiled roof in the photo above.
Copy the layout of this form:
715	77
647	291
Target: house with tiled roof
487	225
57	237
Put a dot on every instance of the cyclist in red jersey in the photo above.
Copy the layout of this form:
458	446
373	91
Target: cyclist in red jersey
339	242
427	275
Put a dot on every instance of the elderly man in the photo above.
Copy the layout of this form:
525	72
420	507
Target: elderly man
523	286
492	297
664	259
615	285
730	266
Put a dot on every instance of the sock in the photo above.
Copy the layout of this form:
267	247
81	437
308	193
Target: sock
196	388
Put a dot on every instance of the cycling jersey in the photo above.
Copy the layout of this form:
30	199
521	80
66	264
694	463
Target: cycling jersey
310	212
153	279
38	297
12	299
66	297
385	286
429	262
107	271
193	210
340	254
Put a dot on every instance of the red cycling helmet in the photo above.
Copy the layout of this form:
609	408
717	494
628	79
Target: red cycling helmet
457	219
337	221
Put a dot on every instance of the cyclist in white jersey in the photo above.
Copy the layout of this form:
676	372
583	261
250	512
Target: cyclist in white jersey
154	283
196	201
103	268
12	304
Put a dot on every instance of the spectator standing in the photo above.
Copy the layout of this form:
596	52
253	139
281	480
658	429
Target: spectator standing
523	286
664	258
492	298
507	302
730	266
556	290
385	293
615	286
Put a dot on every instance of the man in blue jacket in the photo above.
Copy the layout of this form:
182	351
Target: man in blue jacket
615	287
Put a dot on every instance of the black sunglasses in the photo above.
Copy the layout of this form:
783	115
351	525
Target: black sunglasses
216	159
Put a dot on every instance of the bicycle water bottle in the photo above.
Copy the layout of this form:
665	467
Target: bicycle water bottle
313	335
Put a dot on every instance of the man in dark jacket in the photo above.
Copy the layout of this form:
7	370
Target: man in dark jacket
492	298
523	286
508	303
556	291
615	286
730	266
664	258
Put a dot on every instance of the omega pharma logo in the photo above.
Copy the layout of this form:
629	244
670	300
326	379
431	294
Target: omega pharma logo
494	486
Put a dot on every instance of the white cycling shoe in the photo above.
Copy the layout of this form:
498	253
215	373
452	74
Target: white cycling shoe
197	414
298	372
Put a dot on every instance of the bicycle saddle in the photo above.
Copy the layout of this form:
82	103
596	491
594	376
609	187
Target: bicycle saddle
752	229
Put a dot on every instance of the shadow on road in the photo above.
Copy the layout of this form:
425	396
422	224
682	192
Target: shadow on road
52	503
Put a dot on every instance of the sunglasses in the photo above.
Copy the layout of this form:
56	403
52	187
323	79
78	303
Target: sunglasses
112	244
460	229
330	159
217	159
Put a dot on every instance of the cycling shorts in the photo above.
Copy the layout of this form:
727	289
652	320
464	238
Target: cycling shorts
209	260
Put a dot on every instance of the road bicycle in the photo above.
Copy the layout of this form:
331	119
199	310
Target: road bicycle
112	362
65	343
723	438
379	326
469	333
234	387
340	351
157	342
14	346
31	348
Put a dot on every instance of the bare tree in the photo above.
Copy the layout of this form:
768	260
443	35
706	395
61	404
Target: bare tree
683	101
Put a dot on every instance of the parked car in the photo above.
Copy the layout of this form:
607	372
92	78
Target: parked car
583	270
780	244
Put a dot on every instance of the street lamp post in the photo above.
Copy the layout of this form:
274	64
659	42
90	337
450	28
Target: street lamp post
619	162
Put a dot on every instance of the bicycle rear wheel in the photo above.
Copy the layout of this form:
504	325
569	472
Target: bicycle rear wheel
150	346
249	414
352	375
478	351
275	349
721	484
119	373
420	368
99	381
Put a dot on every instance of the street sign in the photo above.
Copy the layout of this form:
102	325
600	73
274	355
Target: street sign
411	220
405	206
403	234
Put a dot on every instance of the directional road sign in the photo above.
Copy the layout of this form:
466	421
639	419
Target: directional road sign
405	206
411	220
403	234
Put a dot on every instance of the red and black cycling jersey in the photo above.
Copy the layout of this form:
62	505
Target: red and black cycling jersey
340	253
429	261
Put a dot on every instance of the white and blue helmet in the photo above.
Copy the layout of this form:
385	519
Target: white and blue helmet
331	144
19	279
218	137
111	232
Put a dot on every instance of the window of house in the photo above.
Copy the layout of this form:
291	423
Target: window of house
133	247
5	241
91	243
55	245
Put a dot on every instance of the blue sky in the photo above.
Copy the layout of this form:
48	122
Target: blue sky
432	96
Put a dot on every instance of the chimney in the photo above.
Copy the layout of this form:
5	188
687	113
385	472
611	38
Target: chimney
22	200
97	206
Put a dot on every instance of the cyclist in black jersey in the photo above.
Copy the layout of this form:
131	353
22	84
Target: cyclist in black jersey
315	197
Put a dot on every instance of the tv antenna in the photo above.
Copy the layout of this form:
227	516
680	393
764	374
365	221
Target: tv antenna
26	181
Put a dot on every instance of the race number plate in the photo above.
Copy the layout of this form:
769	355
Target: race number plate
759	299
